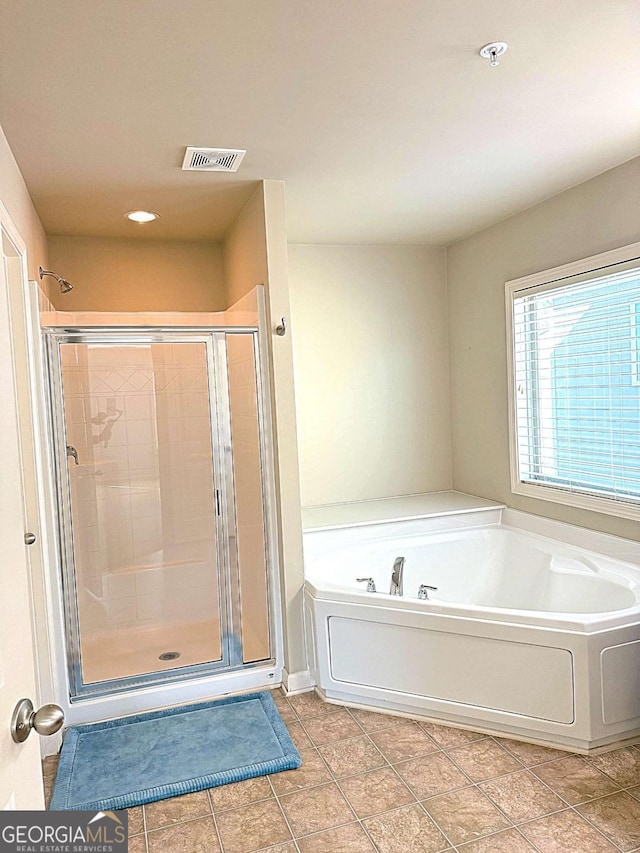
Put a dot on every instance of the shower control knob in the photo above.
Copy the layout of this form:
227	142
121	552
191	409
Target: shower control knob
29	538
46	720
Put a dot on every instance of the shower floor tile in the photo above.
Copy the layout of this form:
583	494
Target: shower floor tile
359	790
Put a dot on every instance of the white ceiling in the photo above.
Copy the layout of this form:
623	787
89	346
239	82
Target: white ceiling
379	115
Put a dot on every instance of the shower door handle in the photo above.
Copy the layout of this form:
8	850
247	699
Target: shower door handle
71	451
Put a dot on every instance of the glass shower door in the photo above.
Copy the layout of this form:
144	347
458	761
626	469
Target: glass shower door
143	532
239	352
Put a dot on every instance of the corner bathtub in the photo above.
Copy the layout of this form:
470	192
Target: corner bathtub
526	635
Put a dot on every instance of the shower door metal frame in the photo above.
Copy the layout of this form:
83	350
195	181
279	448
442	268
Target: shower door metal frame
226	534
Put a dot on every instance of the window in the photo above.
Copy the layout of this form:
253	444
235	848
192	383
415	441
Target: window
575	385
635	326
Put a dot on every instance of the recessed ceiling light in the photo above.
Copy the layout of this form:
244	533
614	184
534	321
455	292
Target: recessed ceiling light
141	216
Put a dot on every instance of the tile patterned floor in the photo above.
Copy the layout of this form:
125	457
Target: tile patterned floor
374	783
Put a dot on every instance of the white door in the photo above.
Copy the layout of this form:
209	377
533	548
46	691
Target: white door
20	774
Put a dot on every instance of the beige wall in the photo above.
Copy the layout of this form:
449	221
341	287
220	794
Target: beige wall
16	199
244	251
601	214
255	252
110	274
369	327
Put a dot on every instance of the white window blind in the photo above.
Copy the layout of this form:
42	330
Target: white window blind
576	384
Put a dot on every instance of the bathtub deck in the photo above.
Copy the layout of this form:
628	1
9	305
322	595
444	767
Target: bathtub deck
404	508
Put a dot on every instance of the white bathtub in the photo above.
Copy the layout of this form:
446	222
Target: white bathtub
528	633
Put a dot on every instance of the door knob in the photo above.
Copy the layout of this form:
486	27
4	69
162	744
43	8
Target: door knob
29	538
46	720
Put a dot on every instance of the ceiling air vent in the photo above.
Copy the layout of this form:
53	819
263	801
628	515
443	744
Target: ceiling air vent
212	159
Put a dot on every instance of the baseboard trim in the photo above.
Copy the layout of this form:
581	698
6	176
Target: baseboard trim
297	682
50	745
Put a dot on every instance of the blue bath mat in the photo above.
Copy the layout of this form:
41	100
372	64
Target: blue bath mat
135	760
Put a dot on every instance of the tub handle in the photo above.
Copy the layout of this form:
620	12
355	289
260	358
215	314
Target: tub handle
423	591
371	584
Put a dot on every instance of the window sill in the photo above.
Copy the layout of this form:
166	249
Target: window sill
609	506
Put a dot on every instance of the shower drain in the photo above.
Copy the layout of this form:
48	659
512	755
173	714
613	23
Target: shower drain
169	656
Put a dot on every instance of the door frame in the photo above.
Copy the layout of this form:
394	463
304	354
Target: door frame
22	761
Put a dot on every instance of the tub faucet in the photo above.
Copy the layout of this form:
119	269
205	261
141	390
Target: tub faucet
397	576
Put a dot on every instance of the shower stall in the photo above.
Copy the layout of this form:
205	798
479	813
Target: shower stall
162	472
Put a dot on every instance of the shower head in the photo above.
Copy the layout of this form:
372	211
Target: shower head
65	287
